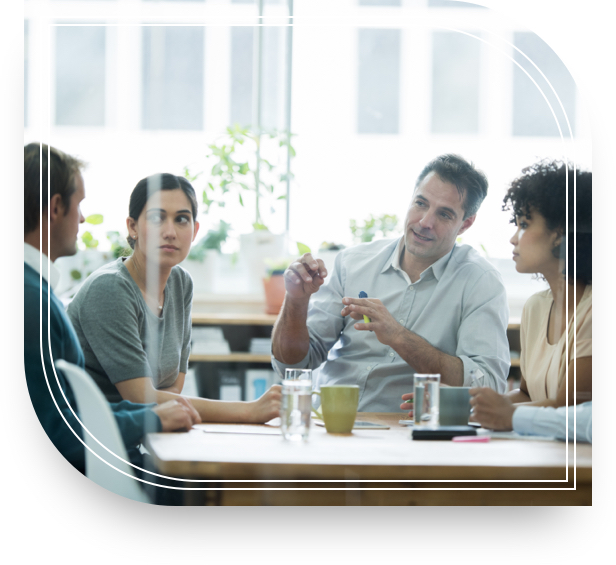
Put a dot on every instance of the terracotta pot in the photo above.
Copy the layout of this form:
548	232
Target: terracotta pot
274	293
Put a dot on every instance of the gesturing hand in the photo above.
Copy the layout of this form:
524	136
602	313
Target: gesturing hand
382	323
304	276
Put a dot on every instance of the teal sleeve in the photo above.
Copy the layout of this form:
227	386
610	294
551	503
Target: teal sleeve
59	423
135	420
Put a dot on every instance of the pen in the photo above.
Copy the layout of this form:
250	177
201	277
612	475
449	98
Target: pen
362	294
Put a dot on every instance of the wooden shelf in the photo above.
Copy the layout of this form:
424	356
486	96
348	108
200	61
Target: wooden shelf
232	357
201	318
239	313
213	319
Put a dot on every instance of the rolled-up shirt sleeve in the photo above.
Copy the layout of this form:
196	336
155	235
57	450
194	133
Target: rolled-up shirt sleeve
552	422
324	322
482	335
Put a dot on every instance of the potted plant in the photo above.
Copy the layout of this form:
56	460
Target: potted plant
249	164
202	261
273	284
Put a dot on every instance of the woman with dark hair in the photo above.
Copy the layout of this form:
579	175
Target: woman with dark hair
556	329
132	316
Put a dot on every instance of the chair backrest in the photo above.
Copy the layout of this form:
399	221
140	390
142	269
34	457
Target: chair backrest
98	419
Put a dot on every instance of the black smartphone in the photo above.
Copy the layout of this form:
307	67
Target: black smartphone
443	432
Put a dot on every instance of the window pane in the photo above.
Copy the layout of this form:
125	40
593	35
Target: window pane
379	81
173	77
531	113
455	83
241	75
271	103
80	76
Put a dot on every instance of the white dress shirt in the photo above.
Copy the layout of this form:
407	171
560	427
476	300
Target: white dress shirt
41	264
458	305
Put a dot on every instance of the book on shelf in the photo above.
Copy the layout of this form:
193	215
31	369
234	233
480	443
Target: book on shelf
210	348
257	382
261	345
230	385
209	341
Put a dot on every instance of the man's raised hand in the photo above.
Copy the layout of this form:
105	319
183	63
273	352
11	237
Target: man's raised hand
304	276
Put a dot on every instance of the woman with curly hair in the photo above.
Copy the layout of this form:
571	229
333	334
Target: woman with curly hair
556	329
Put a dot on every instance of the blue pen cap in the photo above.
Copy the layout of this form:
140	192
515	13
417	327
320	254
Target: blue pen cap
362	294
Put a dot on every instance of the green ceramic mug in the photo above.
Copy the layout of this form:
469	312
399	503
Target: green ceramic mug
339	407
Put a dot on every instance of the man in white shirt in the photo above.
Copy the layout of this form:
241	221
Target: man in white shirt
434	306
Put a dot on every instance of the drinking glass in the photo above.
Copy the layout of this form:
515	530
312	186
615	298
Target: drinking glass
295	409
426	400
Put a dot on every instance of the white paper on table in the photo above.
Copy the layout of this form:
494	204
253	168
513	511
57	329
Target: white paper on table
237	429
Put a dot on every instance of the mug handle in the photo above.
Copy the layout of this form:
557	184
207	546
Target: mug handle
319	416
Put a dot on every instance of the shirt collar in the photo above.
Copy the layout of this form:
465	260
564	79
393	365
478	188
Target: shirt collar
39	261
437	268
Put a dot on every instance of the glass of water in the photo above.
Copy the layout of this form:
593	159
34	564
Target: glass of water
426	400
295	409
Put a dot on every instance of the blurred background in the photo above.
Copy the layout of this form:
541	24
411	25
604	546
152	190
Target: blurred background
370	89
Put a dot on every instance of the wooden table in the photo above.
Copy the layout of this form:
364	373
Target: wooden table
374	466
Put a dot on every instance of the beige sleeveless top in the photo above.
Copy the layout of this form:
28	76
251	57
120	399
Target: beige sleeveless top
544	365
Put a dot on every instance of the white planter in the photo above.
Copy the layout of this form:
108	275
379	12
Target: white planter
255	247
203	273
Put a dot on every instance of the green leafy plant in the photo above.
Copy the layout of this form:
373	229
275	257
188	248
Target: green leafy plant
245	161
87	238
213	239
382	226
119	246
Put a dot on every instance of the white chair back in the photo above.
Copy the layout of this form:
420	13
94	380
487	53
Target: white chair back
98	419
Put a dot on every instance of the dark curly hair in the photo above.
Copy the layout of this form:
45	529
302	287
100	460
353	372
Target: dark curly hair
546	187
